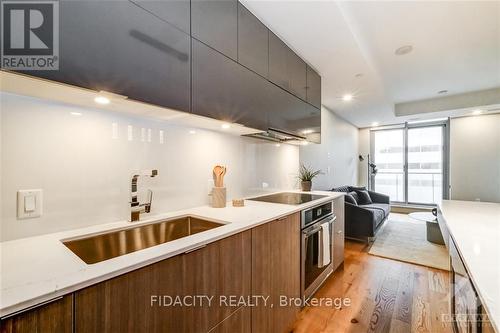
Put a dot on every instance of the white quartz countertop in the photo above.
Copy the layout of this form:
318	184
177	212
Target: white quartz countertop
37	269
475	228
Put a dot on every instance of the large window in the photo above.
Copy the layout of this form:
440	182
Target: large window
411	163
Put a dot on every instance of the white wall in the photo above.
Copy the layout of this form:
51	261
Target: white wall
475	158
364	150
85	172
336	156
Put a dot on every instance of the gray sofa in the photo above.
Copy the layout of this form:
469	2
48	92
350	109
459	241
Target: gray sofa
362	221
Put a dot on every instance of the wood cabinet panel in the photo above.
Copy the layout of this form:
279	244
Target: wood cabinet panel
124	303
313	91
175	12
215	23
276	272
253	42
238	322
141	57
56	317
338	233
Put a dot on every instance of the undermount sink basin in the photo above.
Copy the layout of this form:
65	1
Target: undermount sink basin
112	244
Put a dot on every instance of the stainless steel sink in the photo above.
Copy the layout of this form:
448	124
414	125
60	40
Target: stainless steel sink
112	244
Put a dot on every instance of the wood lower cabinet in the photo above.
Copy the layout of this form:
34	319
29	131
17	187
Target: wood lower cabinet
275	273
56	316
239	321
125	303
264	261
338	233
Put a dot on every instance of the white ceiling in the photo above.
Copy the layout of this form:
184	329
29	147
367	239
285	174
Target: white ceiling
456	47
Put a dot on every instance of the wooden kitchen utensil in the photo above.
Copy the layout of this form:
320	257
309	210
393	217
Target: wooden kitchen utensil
218	170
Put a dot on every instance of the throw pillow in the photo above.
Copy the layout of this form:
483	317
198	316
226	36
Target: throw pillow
364	198
350	199
354	195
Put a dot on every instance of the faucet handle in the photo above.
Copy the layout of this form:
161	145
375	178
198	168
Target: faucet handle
147	206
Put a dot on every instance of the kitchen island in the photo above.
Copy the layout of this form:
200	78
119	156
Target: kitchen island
473	229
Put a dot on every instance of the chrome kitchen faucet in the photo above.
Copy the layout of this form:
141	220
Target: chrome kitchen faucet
137	208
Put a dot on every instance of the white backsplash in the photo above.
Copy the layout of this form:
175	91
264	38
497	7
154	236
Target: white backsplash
83	160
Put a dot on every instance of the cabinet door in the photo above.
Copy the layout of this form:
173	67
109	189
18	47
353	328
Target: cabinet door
119	47
224	90
215	23
278	54
338	233
253	42
56	317
125	303
297	69
286	69
291	114
313	88
175	12
276	272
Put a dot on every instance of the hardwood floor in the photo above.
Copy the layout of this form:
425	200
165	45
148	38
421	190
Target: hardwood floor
386	296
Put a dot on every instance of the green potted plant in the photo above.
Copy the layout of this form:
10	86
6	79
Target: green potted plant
306	176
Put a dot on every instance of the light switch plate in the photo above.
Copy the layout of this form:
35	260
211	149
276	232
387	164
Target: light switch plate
29	203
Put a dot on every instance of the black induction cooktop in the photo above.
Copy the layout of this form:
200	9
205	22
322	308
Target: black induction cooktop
288	198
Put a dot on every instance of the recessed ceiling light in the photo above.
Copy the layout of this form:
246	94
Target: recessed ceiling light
102	100
277	145
304	143
375	124
405	49
307	131
347	97
477	112
76	114
442	91
192	132
225	126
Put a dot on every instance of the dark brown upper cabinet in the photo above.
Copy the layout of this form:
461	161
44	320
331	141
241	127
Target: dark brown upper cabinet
119	47
277	61
253	42
175	12
313	88
224	90
297	75
293	115
286	69
215	23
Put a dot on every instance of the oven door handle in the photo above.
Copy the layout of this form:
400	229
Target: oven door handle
329	220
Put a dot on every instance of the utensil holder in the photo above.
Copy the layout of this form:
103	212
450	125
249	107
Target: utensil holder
219	197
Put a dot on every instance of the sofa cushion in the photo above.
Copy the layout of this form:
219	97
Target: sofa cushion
364	198
385	208
378	215
350	199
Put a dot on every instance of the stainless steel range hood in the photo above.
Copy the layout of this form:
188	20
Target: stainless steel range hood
276	135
